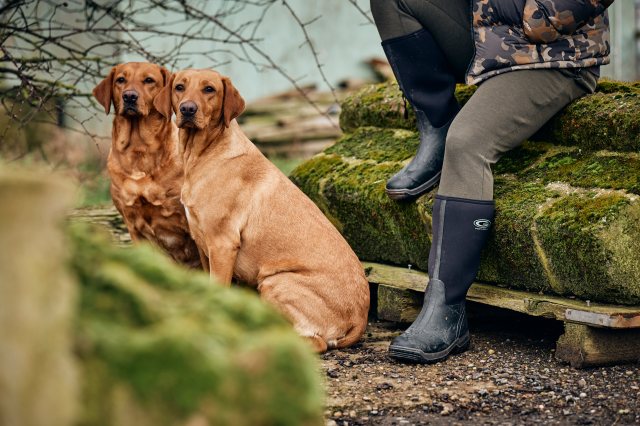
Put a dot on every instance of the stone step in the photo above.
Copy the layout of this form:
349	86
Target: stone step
608	119
568	220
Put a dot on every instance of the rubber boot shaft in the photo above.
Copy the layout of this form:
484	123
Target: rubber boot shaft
428	83
424	75
461	228
460	231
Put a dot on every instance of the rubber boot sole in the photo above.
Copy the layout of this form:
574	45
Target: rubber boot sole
415	355
410	194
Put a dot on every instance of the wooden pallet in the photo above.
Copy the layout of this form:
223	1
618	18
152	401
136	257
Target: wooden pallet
595	334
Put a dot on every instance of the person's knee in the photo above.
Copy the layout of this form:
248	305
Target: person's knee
466	172
462	145
382	8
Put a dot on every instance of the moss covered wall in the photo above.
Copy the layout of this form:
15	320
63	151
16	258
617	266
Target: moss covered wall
608	119
567	211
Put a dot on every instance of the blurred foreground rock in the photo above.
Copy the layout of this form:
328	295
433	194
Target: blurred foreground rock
38	375
152	343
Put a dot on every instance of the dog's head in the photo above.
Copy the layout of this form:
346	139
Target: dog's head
200	98
131	87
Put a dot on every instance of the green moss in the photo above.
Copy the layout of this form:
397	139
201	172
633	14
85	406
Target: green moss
608	119
529	240
572	231
312	174
621	241
611	86
517	160
590	170
599	121
379	105
512	256
375	144
372	223
317	168
178	345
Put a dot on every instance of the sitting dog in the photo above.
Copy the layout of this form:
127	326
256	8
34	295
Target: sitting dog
144	162
252	223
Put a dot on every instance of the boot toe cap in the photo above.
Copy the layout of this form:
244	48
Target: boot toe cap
399	181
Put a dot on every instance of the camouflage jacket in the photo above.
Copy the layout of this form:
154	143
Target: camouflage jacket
524	34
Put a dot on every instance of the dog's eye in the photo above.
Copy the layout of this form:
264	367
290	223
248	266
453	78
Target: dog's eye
179	88
149	80
120	80
209	89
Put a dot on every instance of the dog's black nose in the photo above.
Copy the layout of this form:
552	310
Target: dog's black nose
188	108
130	96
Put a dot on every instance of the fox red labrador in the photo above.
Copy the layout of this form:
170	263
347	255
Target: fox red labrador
252	223
144	162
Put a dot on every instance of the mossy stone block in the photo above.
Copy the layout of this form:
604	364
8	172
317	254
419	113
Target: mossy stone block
160	345
564	225
607	119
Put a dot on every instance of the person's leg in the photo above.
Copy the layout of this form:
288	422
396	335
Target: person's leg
448	21
426	77
505	110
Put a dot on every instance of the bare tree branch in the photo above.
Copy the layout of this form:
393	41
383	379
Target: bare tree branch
53	52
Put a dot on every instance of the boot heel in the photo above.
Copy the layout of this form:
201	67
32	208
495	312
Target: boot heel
463	344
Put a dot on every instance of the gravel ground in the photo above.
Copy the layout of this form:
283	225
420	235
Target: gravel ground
509	376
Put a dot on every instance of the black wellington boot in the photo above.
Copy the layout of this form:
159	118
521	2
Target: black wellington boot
428	83
460	230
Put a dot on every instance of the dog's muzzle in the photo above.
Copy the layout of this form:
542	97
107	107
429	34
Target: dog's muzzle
188	111
130	102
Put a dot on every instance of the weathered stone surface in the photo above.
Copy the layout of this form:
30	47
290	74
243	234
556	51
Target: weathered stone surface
160	345
608	119
38	376
568	220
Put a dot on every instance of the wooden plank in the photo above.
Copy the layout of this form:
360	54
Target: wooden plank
584	346
398	305
556	307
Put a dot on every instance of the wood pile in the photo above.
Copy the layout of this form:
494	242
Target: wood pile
295	124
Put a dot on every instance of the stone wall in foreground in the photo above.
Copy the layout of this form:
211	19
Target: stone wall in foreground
568	206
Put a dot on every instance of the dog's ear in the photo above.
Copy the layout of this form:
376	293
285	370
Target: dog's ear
232	103
162	101
102	91
166	75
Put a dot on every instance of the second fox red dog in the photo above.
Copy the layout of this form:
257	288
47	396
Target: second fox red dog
252	223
